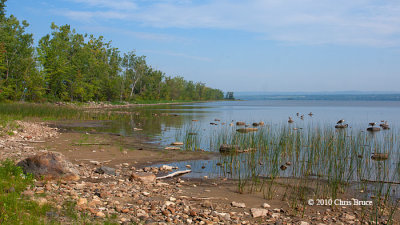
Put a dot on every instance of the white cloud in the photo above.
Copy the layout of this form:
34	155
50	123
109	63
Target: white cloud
112	4
140	35
344	22
178	54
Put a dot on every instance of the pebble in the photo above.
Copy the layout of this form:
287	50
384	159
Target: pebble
238	204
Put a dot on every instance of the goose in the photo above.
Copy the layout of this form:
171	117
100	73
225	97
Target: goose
340	121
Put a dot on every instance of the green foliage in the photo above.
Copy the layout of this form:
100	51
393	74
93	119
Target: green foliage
13	208
69	66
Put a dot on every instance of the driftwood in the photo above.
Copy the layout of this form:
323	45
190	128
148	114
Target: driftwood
177	173
378	181
91	144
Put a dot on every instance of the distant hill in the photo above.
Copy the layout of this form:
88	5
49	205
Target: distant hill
333	96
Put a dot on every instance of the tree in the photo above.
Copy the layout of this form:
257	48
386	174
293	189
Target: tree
17	62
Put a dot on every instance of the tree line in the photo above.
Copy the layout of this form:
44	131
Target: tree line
68	66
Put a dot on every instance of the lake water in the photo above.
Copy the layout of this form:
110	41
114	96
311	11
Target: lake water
170	123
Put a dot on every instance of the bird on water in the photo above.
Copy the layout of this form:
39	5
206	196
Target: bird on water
340	121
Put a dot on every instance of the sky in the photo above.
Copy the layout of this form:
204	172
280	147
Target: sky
243	45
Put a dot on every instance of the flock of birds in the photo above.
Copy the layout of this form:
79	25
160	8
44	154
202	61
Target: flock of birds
300	116
340	124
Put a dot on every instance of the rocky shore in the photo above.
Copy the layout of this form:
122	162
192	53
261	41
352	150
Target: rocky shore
132	194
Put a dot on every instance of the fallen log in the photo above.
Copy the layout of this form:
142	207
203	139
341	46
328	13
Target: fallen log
177	173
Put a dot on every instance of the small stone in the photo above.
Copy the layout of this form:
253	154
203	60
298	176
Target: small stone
238	204
144	177
349	217
126	210
100	214
41	201
304	223
80	186
105	170
192	213
207	204
258	212
266	205
275	215
166	168
168	203
82	201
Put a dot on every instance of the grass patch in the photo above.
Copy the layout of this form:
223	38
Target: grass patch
15	209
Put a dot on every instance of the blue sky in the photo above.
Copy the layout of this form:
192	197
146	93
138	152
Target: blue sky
251	45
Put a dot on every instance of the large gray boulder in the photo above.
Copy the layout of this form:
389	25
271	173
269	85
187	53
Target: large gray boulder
50	166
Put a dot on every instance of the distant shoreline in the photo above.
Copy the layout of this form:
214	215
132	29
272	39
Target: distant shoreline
331	97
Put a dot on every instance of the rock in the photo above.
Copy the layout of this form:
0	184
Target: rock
222	216
304	223
177	143
166	167
144	177
207	204
341	126
82	201
258	212
100	214
349	217
188	166
283	167
95	162
238	204
239	123
246	130
80	186
50	166
172	148
41	201
275	215
266	205
225	148
373	129
169	203
192	213
105	170
380	156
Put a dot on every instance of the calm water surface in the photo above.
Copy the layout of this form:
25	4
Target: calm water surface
169	123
